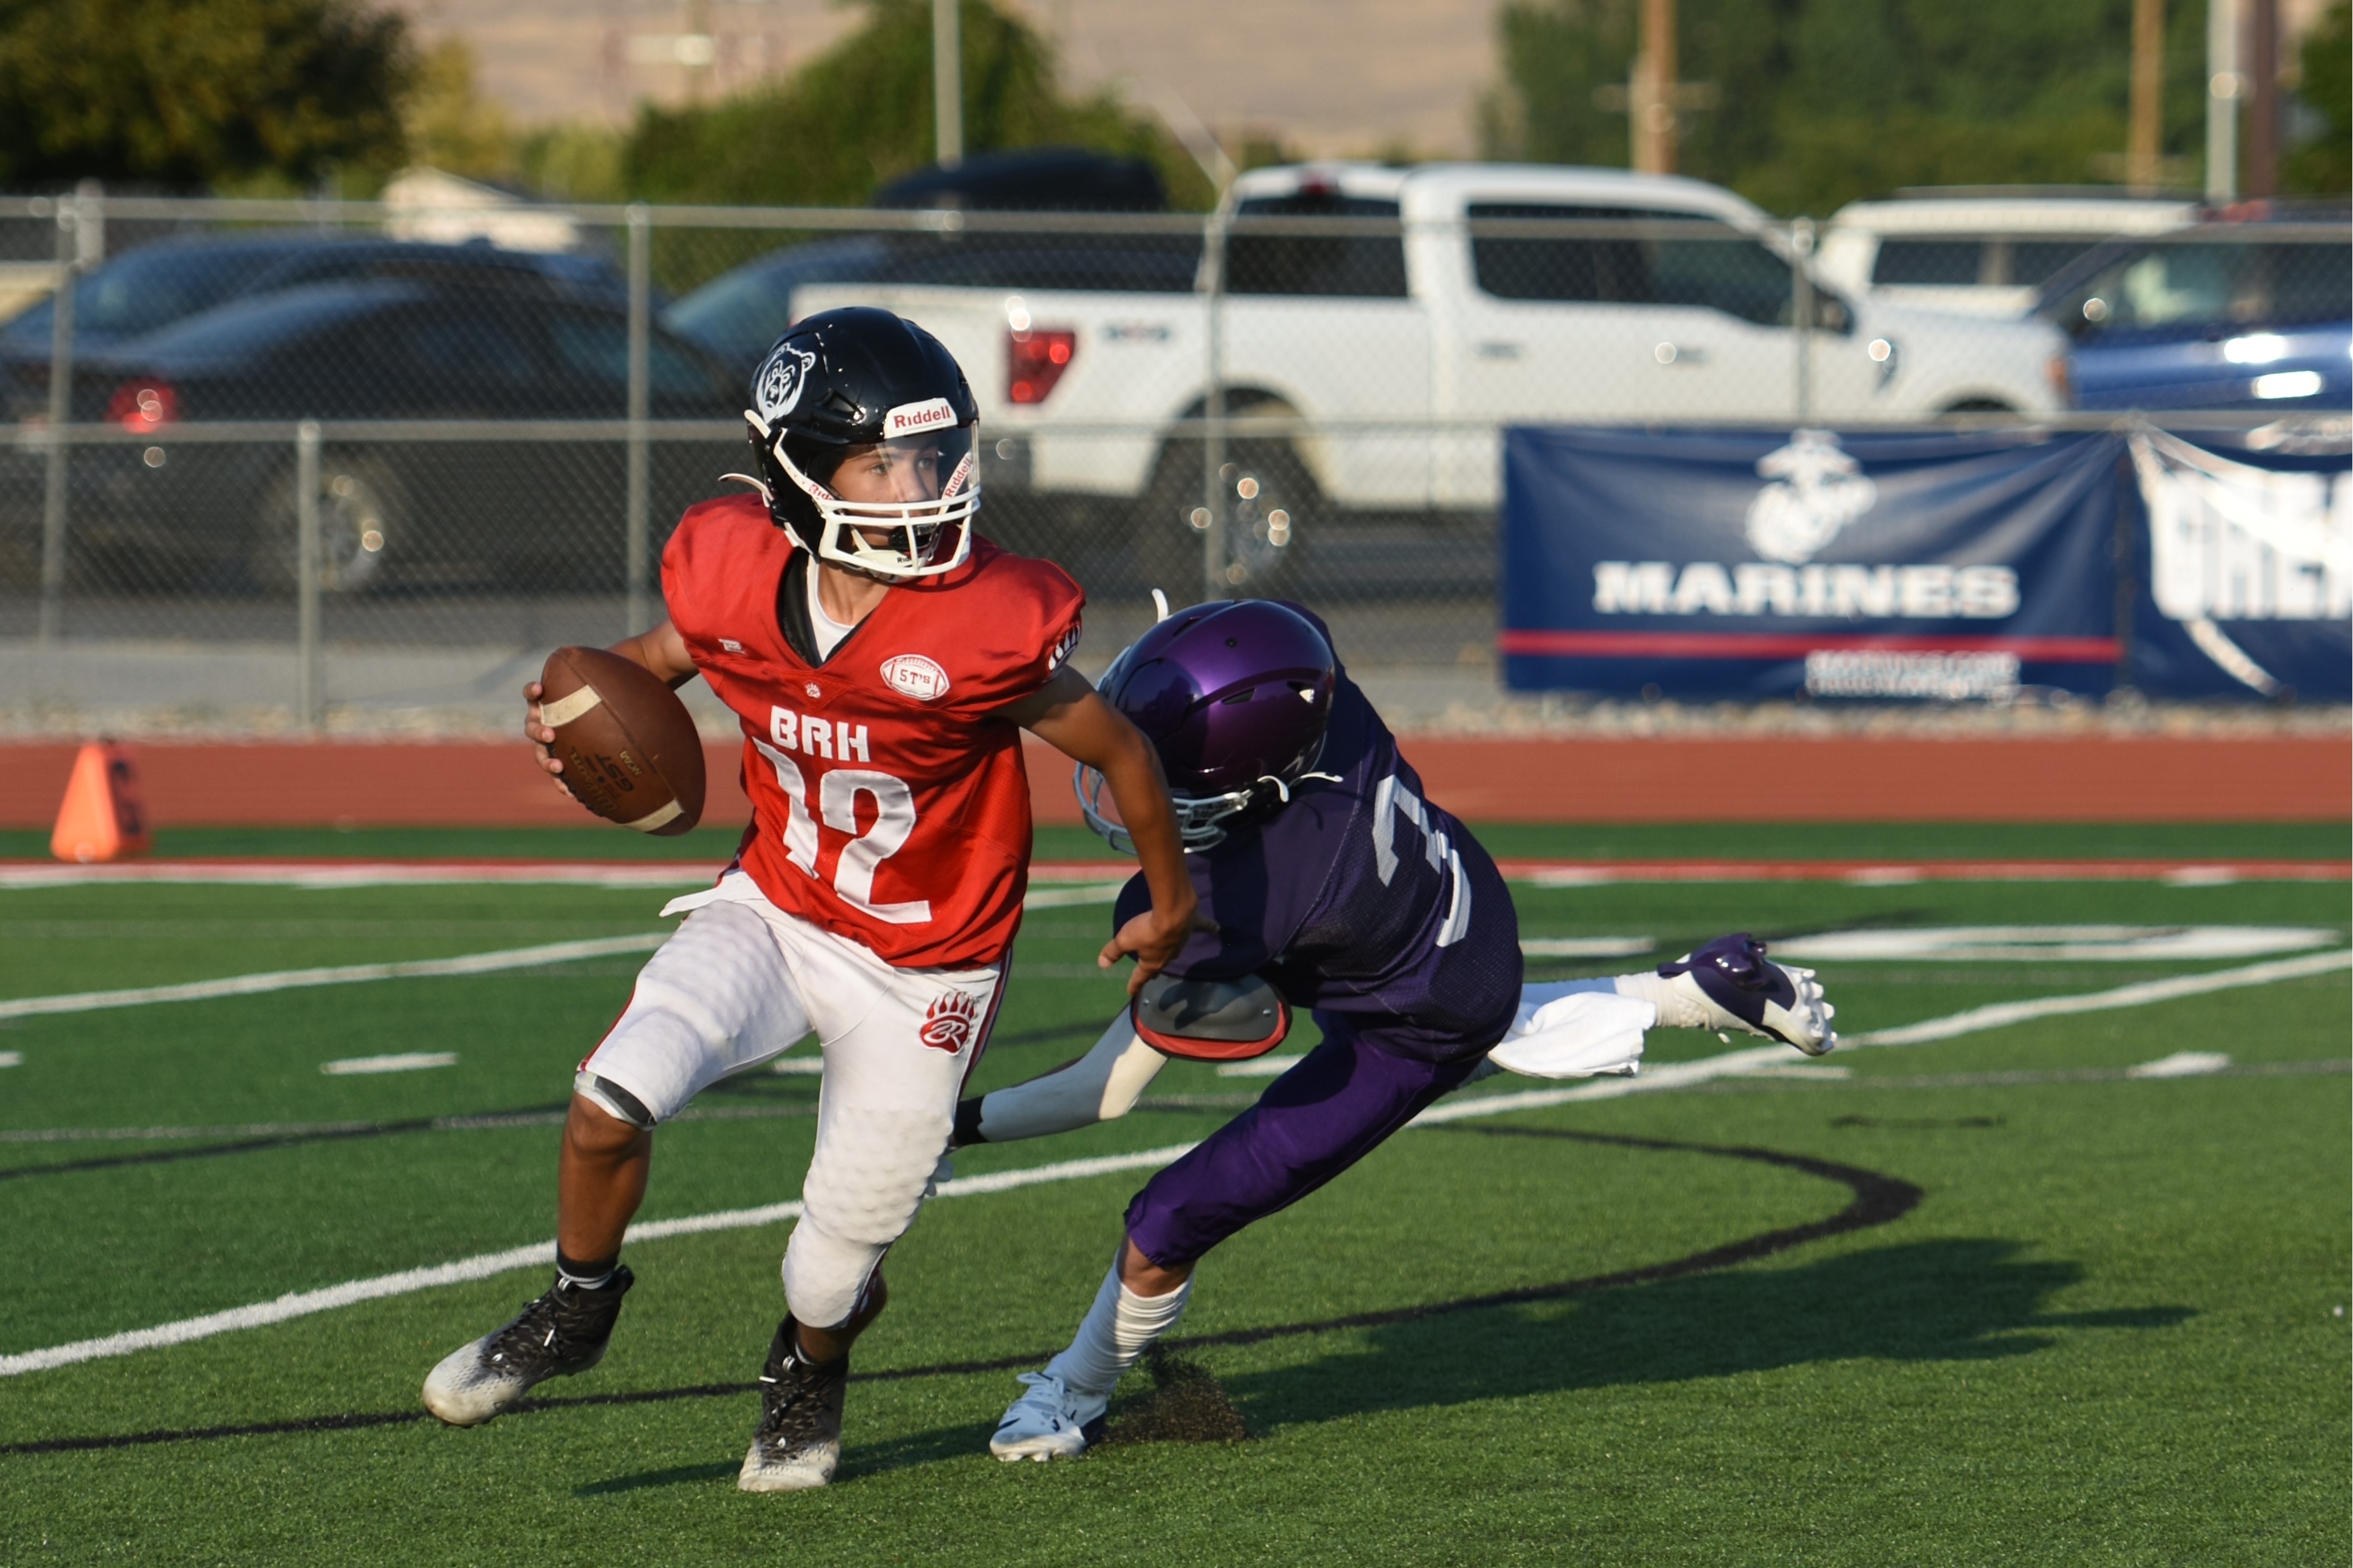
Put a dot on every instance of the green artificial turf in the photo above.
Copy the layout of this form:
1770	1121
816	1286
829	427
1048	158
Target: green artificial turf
2110	1332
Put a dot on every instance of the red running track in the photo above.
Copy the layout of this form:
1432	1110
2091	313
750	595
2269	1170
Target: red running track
1766	779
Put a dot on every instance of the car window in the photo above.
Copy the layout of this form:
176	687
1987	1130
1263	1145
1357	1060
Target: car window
1720	270
244	327
1355	266
1603	269
594	352
1994	261
140	291
2223	283
745	311
1931	262
2034	262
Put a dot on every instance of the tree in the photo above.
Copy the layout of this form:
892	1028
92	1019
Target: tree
192	93
1823	101
861	114
450	125
2323	165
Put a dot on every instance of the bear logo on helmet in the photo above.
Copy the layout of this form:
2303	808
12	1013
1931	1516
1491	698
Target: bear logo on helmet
780	381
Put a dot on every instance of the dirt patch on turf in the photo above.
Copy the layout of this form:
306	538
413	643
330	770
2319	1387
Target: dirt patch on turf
1187	1405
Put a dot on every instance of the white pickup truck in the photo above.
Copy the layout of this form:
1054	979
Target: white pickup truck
1368	365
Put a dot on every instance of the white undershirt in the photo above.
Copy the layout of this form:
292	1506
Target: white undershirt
826	631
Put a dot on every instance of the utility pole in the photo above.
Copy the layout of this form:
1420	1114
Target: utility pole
2223	85
1652	107
2142	144
1651	98
948	84
2262	99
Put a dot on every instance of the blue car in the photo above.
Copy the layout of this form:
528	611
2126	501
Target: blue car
2255	315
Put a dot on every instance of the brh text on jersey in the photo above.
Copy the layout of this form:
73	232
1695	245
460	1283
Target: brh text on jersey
816	737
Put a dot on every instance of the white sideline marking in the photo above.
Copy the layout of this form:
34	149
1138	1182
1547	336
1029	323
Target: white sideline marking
339	975
810	1065
404	1062
1673	1075
2037	944
1585	946
12	1059
2000	1014
2181	1064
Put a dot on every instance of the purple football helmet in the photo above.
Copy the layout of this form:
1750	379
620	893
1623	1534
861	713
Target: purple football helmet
1234	695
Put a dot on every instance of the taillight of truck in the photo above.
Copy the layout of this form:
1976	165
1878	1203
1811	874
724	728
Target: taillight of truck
1035	360
142	405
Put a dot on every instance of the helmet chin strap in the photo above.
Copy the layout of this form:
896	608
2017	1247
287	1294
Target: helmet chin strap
1284	789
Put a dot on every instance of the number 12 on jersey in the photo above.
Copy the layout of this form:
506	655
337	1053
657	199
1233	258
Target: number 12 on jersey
837	790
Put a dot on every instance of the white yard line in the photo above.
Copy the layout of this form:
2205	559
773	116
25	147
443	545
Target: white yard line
1670	1074
338	974
423	968
399	1061
2001	1014
538	1255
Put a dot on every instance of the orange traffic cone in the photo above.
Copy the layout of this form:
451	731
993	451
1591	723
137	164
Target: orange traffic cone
101	818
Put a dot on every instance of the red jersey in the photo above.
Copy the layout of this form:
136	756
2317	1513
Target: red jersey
889	803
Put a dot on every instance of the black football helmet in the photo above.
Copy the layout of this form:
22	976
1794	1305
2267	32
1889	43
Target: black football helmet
863	380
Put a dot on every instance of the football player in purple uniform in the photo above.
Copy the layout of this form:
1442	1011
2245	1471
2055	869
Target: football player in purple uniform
1335	886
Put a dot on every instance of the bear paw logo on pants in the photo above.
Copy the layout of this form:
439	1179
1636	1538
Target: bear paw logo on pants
948	1022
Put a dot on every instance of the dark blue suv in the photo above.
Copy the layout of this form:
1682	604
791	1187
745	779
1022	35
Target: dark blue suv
2255	315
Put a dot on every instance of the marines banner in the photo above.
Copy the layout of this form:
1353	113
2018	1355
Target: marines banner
1944	566
2247	556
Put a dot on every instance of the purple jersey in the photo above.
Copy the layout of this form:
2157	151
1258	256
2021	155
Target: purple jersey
1362	899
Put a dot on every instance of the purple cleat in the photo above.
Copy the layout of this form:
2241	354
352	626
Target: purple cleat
1739	988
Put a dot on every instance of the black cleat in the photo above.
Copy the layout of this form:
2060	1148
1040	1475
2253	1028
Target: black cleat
562	1332
799	1440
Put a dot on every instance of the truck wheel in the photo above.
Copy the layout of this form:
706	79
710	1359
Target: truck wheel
1270	502
359	506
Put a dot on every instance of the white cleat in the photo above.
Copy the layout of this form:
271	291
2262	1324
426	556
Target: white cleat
1736	987
1050	1422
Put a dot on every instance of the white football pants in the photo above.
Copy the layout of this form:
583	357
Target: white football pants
742	981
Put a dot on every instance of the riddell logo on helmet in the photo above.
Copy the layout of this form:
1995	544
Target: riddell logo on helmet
948	1022
914	419
913	675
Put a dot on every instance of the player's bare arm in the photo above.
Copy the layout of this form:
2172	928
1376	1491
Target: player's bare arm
1069	715
660	651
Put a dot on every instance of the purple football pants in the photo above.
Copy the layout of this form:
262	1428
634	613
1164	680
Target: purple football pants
1313	1122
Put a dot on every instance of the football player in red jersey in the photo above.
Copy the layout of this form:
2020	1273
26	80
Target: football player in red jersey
882	660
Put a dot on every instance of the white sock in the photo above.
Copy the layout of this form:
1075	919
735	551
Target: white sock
1099	1087
1677	1009
1119	1327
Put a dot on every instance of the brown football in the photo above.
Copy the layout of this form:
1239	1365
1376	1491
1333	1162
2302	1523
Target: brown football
627	744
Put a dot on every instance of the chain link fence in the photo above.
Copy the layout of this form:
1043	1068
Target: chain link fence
330	464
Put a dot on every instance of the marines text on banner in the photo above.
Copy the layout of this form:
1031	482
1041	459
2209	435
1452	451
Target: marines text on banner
1759	564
